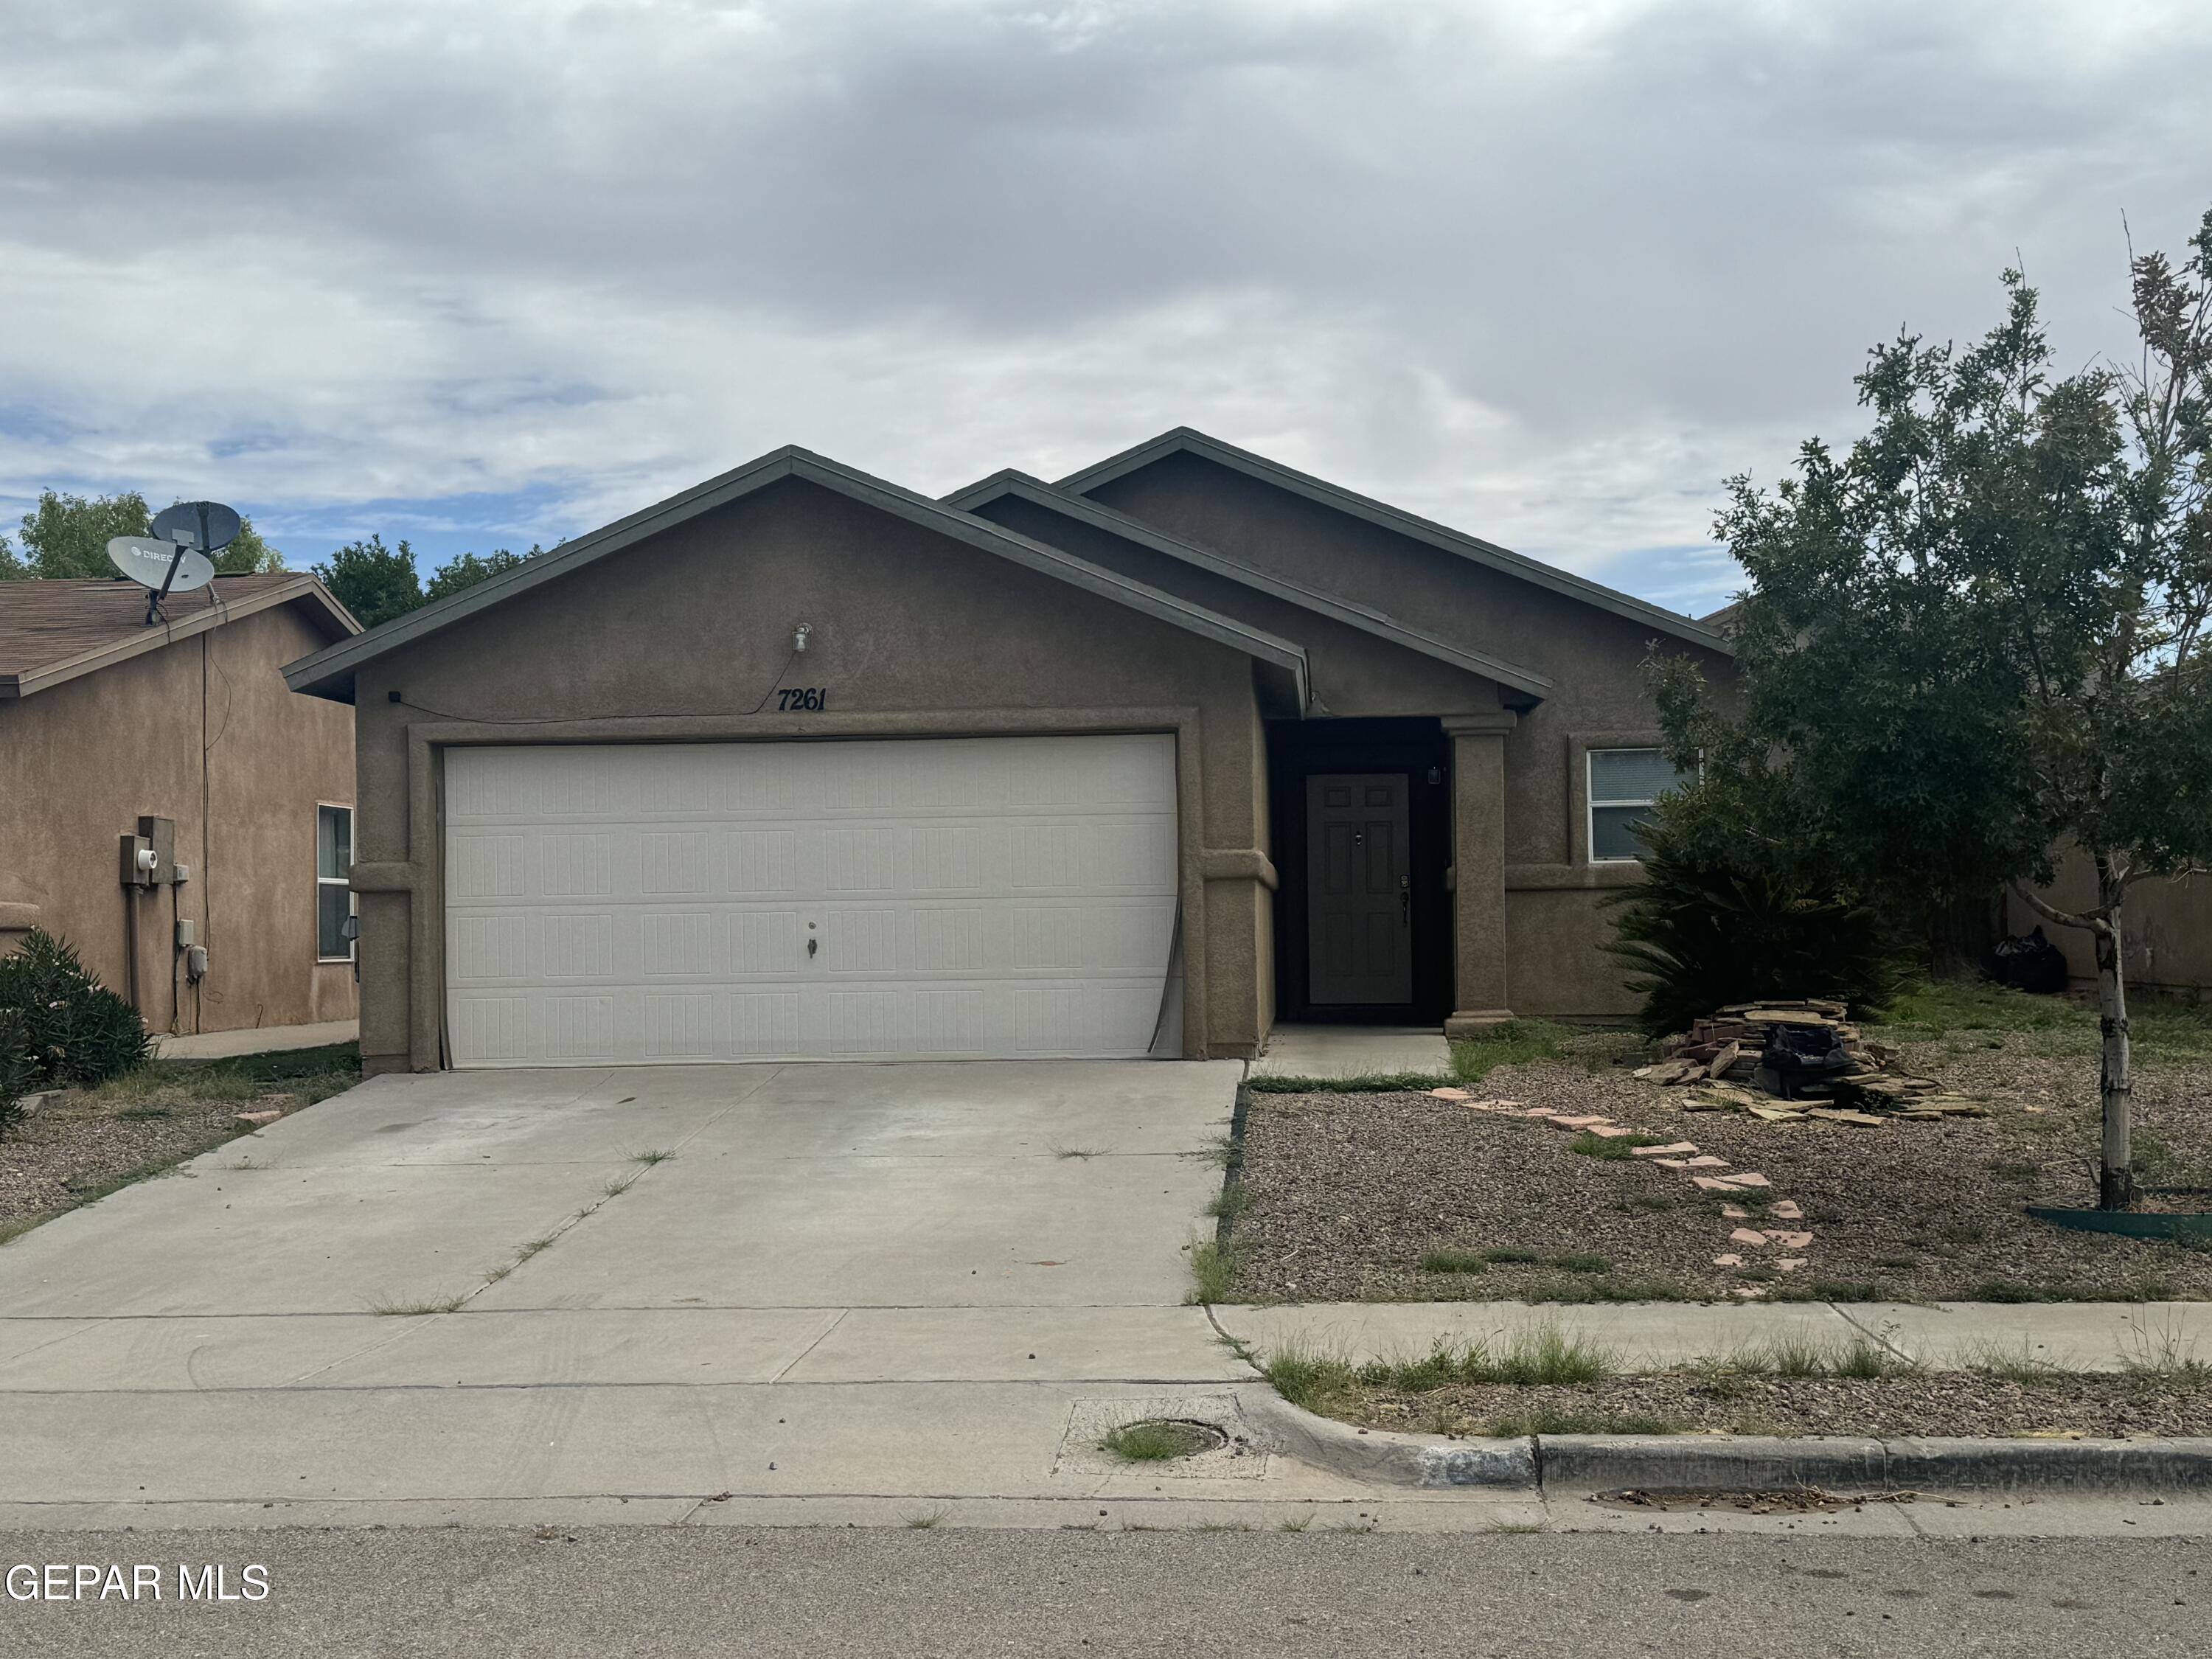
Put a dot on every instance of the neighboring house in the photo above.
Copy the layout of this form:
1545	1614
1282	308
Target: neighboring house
801	764
183	733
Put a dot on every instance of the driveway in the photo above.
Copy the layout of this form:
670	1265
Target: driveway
842	1284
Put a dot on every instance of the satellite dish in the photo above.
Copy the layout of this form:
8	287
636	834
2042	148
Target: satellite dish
147	563
204	526
160	567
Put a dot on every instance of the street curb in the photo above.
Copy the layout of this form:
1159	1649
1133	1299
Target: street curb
1720	1462
1387	1459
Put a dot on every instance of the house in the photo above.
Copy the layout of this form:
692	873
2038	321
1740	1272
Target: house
801	764
180	741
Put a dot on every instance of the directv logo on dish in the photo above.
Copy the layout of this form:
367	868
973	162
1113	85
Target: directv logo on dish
61	1581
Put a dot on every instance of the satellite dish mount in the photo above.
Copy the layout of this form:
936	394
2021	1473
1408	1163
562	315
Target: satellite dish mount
176	557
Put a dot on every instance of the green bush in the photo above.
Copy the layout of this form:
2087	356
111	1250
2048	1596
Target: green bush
1705	928
74	1029
19	1073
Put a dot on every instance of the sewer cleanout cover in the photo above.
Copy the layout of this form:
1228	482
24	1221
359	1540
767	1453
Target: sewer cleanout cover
1225	1450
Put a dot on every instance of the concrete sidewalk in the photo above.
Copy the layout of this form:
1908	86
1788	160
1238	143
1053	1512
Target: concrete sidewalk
263	1040
2077	1335
1354	1051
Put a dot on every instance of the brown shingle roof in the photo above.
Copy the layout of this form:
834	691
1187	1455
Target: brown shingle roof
52	631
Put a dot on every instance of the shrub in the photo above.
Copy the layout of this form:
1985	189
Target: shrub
75	1029
19	1073
1705	929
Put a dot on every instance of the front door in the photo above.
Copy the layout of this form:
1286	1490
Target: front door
1359	933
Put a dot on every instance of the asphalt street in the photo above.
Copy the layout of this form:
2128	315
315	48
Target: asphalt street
488	1593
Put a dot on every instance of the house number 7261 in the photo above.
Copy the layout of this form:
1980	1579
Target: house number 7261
809	698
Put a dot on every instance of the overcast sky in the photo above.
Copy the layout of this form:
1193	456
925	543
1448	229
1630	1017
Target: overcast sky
489	273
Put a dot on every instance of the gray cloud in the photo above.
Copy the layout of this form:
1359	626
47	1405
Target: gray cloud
1548	272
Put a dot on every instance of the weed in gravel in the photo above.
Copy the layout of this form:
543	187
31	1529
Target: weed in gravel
145	1113
1583	1264
1513	1042
2163	1355
925	1521
2015	1363
1614	1149
1454	1261
1648	1203
1213	1272
1232	1201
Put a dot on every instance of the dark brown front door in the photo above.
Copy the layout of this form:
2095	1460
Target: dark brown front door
1359	933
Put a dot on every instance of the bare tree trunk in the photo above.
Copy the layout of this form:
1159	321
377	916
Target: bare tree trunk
2116	1180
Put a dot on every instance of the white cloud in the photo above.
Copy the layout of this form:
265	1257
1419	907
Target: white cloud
1548	273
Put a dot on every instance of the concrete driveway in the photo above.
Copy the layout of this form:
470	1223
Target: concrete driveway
851	1284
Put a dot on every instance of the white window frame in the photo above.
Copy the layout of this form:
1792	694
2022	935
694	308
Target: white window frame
345	880
1591	803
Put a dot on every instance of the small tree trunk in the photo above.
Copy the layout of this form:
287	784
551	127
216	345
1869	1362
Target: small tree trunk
2116	1180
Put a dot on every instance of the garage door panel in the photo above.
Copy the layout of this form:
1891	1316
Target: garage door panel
654	903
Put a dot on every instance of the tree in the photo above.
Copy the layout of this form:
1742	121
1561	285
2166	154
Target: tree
1978	636
467	569
67	537
373	582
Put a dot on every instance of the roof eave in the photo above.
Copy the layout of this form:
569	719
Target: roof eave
201	620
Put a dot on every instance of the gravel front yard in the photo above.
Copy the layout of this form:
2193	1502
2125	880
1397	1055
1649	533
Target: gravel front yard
85	1143
1962	1403
1344	1195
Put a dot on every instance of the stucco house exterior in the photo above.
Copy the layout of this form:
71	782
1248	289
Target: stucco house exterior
800	764
182	737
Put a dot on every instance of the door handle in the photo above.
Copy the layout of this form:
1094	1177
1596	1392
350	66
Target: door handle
1405	904
813	945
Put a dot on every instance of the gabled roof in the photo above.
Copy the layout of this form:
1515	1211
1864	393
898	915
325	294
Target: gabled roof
329	673
54	630
1187	441
1365	618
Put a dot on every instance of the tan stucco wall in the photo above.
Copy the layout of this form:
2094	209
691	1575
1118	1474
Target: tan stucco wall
683	635
1594	659
80	761
2166	929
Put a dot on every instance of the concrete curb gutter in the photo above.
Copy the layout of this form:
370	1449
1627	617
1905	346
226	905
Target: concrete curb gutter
1392	1460
1698	1463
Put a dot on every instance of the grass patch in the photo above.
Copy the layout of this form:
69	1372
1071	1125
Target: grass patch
1155	1442
1546	1356
619	1185
2056	1027
1360	1082
2015	1363
415	1309
145	1113
1213	1272
924	1522
1074	1151
2162	1356
1513	1042
1455	1261
1232	1201
1614	1149
651	1155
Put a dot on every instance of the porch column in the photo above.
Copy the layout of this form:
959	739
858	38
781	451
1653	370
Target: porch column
1479	992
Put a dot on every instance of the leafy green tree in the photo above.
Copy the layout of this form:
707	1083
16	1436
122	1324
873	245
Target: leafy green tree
1978	637
373	582
67	537
467	569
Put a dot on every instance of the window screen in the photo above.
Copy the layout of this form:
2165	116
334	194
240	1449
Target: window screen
1623	784
333	898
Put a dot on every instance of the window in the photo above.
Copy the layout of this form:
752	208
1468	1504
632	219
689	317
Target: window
333	898
1623	784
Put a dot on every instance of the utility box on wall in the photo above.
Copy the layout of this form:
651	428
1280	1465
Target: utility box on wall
160	834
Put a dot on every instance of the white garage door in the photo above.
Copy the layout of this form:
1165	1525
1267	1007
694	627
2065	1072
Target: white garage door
679	903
